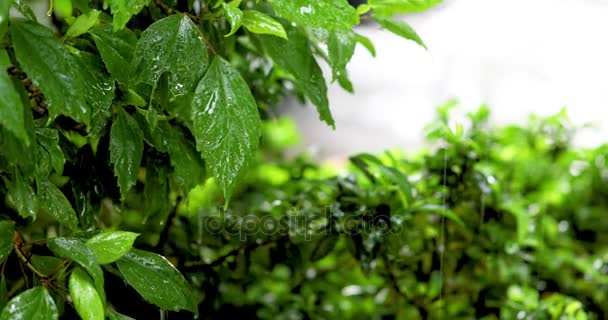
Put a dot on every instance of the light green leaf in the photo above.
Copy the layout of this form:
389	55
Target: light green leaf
116	49
173	45
110	246
295	57
52	68
22	196
126	150
77	251
222	106
400	28
83	23
440	210
48	152
32	304
258	22
328	14
367	43
87	301
341	48
157	280
11	106
123	10
185	160
234	15
391	7
55	204
7	233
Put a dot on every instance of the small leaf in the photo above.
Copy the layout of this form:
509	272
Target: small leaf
367	43
99	87
110	246
113	315
341	48
56	205
83	23
234	15
7	232
22	196
440	210
24	9
126	150
328	14
116	49
157	280
295	57
324	247
87	301
123	10
260	23
392	7
222	106
172	45
400	28
77	251
32	304
49	152
11	105
52	68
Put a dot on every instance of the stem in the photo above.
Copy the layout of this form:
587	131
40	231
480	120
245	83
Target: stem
164	234
26	262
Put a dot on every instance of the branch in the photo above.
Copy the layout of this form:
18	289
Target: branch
164	234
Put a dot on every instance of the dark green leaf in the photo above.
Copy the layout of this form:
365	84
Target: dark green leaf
11	106
3	292
87	301
49	152
110	246
234	15
324	247
83	23
7	233
99	87
126	150
32	304
123	10
221	107
24	9
173	45
327	14
157	280
4	14
22	196
113	315
400	28
77	251
391	7
52	68
258	22
116	49
46	264
294	56
55	204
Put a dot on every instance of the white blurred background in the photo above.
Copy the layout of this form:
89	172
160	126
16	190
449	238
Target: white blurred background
517	56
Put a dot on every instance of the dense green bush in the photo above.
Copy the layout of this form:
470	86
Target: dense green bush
109	208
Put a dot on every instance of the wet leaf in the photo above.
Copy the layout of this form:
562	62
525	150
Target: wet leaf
32	304
87	301
329	14
7	232
126	150
110	246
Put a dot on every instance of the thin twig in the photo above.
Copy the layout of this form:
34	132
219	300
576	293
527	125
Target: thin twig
164	234
27	263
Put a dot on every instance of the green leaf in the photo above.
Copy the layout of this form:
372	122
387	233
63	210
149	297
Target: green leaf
400	28
87	301
324	247
99	87
24	9
113	315
110	246
46	264
341	48
11	106
222	106
157	281
126	150
48	152
3	292
32	304
77	251
440	210
52	68
185	160
123	10
7	233
295	57
391	7
55	204
328	14
5	7
83	23
22	196
173	45
116	49
234	15
367	43
260	23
